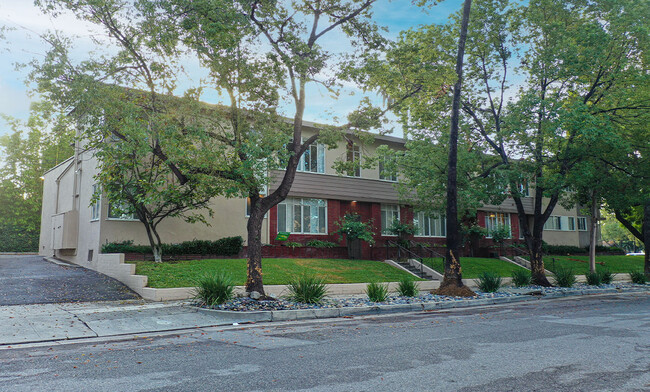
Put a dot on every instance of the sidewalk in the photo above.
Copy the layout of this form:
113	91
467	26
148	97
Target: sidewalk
51	322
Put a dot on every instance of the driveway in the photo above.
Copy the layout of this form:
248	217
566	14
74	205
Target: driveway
33	280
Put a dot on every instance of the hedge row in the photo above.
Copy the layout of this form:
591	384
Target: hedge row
228	246
17	239
567	249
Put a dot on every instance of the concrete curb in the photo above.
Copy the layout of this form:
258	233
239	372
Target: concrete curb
305	314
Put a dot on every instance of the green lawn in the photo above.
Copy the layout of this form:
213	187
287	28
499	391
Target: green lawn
276	271
615	264
472	267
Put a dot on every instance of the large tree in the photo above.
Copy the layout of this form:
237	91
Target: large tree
258	55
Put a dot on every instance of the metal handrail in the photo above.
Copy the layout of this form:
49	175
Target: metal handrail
426	249
408	252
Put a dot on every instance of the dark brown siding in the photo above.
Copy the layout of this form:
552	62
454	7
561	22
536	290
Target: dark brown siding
324	186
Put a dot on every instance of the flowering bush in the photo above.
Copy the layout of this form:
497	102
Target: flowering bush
353	228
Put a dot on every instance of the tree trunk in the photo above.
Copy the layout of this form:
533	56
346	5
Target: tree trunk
154	241
254	261
593	229
452	283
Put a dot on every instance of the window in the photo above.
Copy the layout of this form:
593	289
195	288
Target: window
389	213
571	223
582	223
120	211
495	221
553	223
354	155
430	225
313	160
263	193
95	208
523	189
303	216
386	174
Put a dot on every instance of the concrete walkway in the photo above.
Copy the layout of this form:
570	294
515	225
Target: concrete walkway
53	322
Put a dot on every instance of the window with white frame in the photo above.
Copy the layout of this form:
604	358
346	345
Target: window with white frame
582	223
120	211
497	220
571	223
430	225
313	160
385	173
263	193
354	155
95	208
303	216
553	223
524	191
389	214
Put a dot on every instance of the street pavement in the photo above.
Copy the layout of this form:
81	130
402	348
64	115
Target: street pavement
595	343
32	280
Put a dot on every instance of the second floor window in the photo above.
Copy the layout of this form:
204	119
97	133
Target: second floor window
385	172
95	208
354	155
313	160
120	211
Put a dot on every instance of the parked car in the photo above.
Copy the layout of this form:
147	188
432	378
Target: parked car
635	254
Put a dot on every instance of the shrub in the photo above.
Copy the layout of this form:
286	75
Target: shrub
377	292
638	277
521	278
353	228
489	282
307	289
228	246
593	279
606	276
18	239
321	244
293	245
564	277
214	289
407	287
400	229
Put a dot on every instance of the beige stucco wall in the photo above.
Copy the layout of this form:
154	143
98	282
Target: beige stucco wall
49	206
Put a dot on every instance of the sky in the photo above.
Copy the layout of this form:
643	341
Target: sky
23	44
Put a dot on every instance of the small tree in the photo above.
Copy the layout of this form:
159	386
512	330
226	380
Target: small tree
499	236
354	230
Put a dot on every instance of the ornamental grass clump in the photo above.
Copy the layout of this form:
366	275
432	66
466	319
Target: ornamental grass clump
593	279
377	292
521	278
489	282
638	277
214	289
407	287
606	276
564	277
307	289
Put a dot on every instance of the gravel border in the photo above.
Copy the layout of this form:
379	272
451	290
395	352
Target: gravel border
349	307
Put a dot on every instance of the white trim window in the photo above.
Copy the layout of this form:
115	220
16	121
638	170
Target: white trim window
389	214
561	223
553	223
571	223
430	225
354	155
263	193
96	207
313	160
497	220
302	216
384	174
582	223
119	211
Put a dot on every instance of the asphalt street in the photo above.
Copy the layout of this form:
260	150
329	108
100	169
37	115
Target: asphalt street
580	344
32	280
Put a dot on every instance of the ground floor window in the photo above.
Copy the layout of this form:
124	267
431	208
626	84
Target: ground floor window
430	225
495	221
303	216
389	214
582	223
120	211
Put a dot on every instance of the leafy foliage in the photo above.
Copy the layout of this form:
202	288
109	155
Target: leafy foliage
407	287
521	278
307	289
353	228
593	279
564	277
321	244
638	277
214	289
489	282
605	275
228	246
401	229
377	292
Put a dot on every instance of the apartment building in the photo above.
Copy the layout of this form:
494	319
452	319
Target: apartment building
73	228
